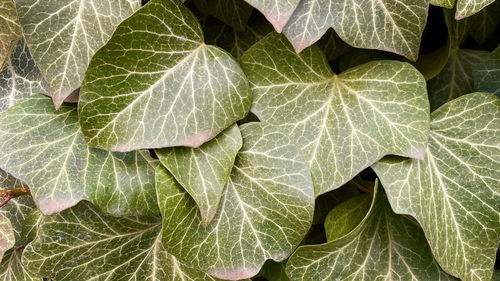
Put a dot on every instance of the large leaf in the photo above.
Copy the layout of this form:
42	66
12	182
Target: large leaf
11	268
63	35
7	239
384	246
487	74
454	191
82	243
34	134
204	171
234	13
265	211
277	12
389	25
20	77
156	84
342	123
9	27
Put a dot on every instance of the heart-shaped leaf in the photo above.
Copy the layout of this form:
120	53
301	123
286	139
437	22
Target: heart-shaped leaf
487	74
265	211
156	84
342	123
10	29
454	191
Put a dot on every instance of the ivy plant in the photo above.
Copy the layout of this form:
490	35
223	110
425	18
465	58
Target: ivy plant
249	140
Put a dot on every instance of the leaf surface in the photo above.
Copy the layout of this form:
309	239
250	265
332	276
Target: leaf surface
7	239
487	74
454	191
234	13
11	268
467	8
265	211
277	12
342	123
10	29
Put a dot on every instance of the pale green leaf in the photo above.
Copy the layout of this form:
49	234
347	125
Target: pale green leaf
63	35
34	134
156	84
390	25
466	8
204	171
234	13
265	211
82	243
7	239
342	123
277	12
487	74
10	29
384	246
20	77
11	268
454	191
444	3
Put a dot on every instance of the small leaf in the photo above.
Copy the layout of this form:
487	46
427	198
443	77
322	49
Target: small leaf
156	84
487	74
277	12
10	29
7	239
384	246
342	123
11	268
34	134
453	192
204	171
265	211
64	34
234	13
466	8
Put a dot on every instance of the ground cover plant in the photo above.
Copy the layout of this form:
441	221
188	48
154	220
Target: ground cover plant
249	140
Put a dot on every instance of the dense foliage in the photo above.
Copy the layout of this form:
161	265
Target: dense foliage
249	139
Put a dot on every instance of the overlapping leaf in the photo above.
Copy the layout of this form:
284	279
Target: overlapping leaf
82	243
464	8
454	191
266	209
204	171
156	84
234	13
11	268
46	149
487	74
277	12
7	239
342	123
63	35
384	246
10	29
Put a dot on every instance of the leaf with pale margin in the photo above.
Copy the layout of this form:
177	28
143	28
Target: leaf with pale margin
63	35
7	239
234	13
156	84
487	74
454	191
11	268
204	171
20	77
10	29
277	12
389	25
265	211
34	134
384	246
342	123
82	243
464	8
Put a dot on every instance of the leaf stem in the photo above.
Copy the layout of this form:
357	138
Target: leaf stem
6	200
13	193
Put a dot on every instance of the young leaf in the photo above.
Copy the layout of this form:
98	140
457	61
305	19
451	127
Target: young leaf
277	12
82	243
453	192
7	239
265	211
45	148
64	34
465	8
156	84
11	268
487	74
10	29
388	25
234	13
204	171
384	246
342	123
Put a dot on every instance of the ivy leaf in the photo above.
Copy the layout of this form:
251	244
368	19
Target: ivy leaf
156	84
384	246
484	22
10	29
82	243
33	132
453	192
64	34
342	123
204	171
464	8
487	74
20	77
234	13
332	45
12	269
277	12
388	25
7	239
265	211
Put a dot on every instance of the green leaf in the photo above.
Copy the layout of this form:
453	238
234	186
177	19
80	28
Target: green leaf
156	84
331	44
327	201
342	123
34	134
484	22
20	77
234	13
431	64
265	211
388	25
11	268
277	12
64	34
361	56
82	243
487	74
384	246
466	8
10	29
204	171
7	239
453	192
274	271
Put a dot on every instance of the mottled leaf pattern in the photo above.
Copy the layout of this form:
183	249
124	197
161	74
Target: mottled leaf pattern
10	29
487	74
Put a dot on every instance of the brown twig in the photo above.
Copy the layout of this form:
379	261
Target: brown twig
13	193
